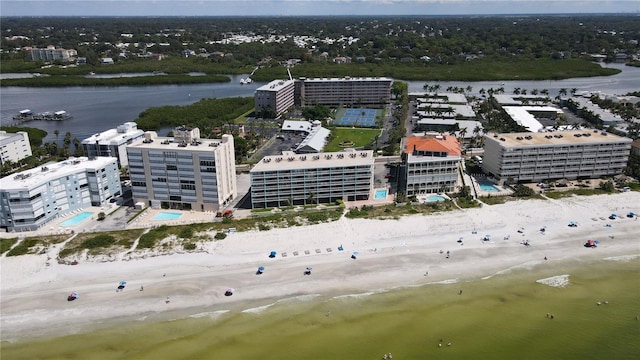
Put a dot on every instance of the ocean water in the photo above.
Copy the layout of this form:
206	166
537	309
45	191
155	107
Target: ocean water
501	317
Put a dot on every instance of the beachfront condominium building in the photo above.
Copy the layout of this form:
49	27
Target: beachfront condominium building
293	179
113	142
533	157
32	198
183	172
430	164
50	53
276	96
347	91
14	146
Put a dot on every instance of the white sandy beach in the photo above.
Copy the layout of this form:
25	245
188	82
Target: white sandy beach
392	253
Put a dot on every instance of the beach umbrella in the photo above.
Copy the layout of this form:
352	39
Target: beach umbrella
272	254
308	271
229	292
122	284
261	268
340	248
74	295
309	268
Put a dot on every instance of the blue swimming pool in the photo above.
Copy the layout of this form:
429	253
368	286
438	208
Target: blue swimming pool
77	219
432	198
380	194
487	186
164	215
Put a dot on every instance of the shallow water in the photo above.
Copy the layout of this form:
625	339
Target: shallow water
504	317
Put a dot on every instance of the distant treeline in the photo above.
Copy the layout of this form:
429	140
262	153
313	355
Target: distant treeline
402	47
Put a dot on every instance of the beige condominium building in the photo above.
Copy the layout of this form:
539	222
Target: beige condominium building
14	146
430	165
294	179
183	172
531	157
277	95
348	91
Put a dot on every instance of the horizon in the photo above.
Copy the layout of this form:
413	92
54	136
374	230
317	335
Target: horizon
316	8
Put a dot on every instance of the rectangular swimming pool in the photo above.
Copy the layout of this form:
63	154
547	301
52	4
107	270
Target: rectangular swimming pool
380	194
77	219
165	215
487	186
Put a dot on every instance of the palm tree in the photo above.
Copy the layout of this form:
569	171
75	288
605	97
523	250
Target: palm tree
56	132
574	91
563	91
516	91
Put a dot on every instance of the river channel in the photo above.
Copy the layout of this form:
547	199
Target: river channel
95	109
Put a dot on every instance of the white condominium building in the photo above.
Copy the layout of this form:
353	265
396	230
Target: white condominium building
277	95
430	165
113	142
14	146
293	179
183	172
532	157
34	197
50	53
343	91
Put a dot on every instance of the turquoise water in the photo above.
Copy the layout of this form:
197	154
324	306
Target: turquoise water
380	195
163	215
77	219
487	186
432	198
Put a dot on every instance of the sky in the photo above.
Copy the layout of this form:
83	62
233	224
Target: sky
309	7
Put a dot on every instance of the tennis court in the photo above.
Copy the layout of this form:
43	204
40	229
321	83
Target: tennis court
357	117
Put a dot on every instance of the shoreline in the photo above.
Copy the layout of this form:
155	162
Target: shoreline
393	254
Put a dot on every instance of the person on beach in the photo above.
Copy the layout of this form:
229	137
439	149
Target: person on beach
167	301
141	288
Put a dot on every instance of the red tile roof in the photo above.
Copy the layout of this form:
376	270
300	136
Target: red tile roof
447	143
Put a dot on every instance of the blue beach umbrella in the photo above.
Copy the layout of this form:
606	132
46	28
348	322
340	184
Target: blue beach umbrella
261	268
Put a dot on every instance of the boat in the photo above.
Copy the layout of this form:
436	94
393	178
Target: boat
28	115
243	81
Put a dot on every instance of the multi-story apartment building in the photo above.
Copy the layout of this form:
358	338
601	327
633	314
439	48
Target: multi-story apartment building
113	142
532	157
292	179
277	95
50	53
347	91
34	197
430	164
14	146
183	172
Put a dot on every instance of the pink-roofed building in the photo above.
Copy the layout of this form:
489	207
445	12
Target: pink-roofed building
430	165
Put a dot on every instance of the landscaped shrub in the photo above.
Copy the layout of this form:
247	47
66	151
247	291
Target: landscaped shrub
189	246
6	244
220	236
23	247
102	240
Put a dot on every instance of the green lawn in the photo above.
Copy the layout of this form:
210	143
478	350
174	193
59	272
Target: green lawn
359	137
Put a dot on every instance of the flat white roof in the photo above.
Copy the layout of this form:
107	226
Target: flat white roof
115	136
450	98
506	99
292	161
344	79
168	143
296	125
586	136
524	117
275	85
32	178
463	110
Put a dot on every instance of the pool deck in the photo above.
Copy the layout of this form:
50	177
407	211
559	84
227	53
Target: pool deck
503	191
